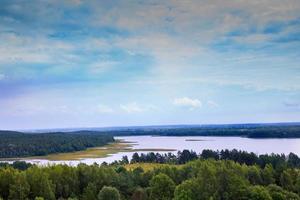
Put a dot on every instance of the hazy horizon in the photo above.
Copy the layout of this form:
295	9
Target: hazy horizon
88	128
73	63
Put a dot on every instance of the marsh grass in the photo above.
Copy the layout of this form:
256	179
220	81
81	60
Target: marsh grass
98	152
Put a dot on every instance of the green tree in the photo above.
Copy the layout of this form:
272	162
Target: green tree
286	180
20	188
231	182
291	196
254	175
109	193
259	193
186	191
90	192
276	192
267	175
139	194
65	180
206	182
6	178
297	185
40	185
161	187
135	158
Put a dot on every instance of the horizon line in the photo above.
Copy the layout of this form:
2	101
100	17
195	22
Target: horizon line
153	126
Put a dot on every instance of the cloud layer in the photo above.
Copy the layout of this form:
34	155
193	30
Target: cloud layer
110	60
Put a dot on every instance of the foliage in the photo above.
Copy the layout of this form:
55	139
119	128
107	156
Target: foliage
110	193
269	162
285	130
139	194
17	144
21	165
229	175
19	189
161	187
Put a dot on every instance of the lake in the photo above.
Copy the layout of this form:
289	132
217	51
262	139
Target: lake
195	143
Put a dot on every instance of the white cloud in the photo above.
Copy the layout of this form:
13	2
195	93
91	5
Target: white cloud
197	24
104	109
187	102
2	76
132	108
26	49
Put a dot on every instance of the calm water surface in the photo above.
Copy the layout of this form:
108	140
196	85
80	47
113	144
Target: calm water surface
197	144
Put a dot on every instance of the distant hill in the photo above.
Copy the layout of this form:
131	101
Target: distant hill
242	130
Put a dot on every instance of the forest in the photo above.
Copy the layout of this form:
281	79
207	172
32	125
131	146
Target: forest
212	175
18	144
282	130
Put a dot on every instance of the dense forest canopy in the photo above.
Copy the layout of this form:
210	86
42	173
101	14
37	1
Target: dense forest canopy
212	175
289	130
17	144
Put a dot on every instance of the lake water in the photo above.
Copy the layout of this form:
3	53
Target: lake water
197	144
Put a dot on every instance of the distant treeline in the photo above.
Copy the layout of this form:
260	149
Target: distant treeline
259	131
17	144
212	175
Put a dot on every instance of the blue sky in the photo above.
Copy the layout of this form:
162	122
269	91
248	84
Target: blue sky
100	63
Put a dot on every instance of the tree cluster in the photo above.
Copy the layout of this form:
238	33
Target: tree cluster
241	157
17	144
208	177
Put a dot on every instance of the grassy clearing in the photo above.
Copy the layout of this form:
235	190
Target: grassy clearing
98	152
148	166
145	166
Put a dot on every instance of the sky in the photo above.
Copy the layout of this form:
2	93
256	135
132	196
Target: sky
75	63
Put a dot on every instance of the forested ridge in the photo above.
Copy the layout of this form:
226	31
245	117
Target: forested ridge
212	175
18	144
241	130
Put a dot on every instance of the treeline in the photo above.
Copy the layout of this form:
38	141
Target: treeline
212	176
20	165
253	131
17	144
241	157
